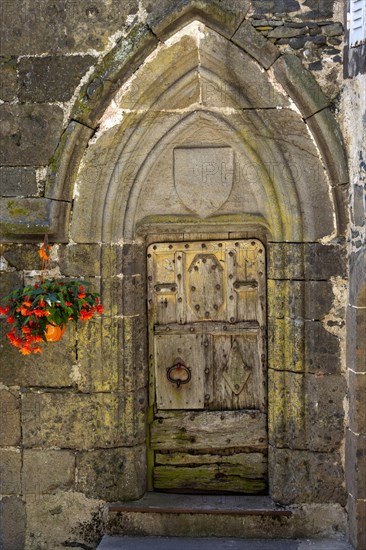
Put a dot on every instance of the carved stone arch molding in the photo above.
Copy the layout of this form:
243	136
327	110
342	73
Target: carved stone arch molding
214	96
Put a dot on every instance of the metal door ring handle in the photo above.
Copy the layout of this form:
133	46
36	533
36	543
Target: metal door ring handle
179	374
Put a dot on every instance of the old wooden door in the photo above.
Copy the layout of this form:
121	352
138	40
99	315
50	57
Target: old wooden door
208	417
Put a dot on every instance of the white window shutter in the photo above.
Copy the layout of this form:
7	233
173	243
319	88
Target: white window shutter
357	22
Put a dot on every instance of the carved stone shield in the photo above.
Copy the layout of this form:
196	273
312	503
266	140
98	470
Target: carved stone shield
203	177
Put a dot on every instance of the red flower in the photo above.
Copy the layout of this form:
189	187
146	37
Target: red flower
10	320
26	330
81	295
85	315
4	310
99	308
69	304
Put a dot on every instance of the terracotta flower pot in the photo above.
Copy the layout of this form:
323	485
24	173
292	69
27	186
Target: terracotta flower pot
54	333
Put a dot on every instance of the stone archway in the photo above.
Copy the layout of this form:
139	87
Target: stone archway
287	191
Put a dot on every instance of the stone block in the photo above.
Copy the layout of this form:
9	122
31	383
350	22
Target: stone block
302	346
314	422
275	7
9	281
334	29
255	44
10	419
29	133
74	421
285	261
44	79
325	261
299	83
328	136
133	370
231	87
357	522
310	300
359	205
80	260
8	79
134	294
23	218
22	256
124	60
10	466
66	161
305	476
47	471
64	520
112	474
356	465
18	181
100	355
224	16
133	410
357	401
287	32
112	295
133	260
313	261
63	26
12	523
53	368
167	92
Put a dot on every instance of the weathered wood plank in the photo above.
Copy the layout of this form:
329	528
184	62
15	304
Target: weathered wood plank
215	327
207	478
253	464
176	430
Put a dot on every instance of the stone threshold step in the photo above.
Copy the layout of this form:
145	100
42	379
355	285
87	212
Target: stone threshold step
234	505
212	543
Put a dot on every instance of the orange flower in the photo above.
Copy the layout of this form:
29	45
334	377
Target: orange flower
81	295
37	350
24	311
43	254
28	304
26	330
25	351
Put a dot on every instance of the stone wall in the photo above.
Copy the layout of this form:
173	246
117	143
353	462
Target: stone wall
73	434
354	98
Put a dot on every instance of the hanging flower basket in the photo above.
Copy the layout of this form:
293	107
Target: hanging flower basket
41	312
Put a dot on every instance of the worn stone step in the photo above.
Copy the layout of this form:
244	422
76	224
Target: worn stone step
172	515
183	543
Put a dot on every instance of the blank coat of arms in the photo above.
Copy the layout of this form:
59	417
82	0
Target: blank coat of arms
203	177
